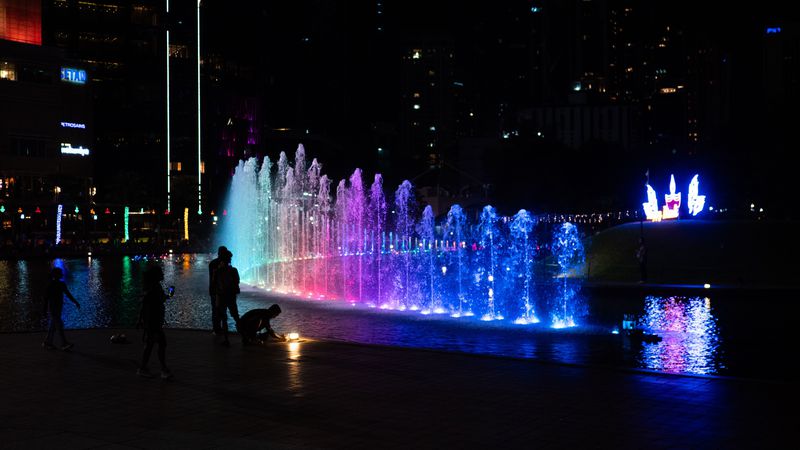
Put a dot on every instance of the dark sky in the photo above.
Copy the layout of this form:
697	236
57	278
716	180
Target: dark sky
327	69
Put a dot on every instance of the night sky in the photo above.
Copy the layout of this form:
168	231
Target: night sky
323	66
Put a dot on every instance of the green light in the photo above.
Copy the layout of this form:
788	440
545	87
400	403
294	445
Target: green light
127	211
2	208
77	210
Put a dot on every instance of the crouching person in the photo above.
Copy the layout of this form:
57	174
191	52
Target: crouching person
255	320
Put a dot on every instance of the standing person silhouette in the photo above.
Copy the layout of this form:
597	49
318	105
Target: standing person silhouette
641	256
216	324
54	302
226	278
151	319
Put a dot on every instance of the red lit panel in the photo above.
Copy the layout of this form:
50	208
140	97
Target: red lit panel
21	21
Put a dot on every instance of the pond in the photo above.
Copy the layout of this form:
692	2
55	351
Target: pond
715	334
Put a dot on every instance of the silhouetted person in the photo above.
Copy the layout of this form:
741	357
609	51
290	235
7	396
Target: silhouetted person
226	277
256	320
641	256
54	302
216	323
151	319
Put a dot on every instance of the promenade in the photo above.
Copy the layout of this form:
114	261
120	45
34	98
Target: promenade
337	395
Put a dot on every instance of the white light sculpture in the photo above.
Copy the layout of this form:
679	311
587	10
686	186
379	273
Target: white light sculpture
694	201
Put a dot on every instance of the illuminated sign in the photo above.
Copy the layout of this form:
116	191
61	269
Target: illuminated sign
73	125
127	213
773	30
651	210
672	201
76	76
68	149
58	223
695	202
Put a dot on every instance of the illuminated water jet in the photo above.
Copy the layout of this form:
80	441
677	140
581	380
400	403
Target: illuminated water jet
291	234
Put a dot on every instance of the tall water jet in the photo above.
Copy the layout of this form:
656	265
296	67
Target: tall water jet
455	229
355	218
265	233
342	197
568	252
488	257
313	222
290	222
521	254
242	215
426	231
300	168
282	216
377	225
325	237
405	209
299	223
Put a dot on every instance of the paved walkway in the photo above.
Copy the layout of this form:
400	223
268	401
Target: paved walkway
335	395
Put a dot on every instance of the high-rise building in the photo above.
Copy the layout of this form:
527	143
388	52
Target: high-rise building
46	128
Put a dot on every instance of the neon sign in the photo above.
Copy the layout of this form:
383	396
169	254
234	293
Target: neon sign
70	75
68	149
58	223
672	201
73	125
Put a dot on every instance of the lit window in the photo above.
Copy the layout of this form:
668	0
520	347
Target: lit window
202	167
177	166
8	71
178	51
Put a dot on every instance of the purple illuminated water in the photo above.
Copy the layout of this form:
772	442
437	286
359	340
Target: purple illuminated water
290	235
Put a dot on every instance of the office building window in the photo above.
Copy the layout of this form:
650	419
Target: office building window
178	51
8	71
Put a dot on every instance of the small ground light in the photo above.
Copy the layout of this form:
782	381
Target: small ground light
707	286
293	336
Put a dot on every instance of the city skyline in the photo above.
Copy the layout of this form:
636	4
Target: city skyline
596	91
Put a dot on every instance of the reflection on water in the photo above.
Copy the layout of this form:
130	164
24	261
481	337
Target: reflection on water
110	290
690	338
295	370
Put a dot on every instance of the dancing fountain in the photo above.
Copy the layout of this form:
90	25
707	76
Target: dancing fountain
289	234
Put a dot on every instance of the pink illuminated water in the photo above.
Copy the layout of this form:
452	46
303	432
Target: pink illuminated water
290	234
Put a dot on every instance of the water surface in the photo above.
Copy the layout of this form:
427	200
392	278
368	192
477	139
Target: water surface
716	334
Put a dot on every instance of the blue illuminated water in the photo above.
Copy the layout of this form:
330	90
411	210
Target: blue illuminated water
701	335
289	233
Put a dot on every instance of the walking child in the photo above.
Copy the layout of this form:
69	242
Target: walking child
54	303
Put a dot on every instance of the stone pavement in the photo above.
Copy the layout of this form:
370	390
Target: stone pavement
338	395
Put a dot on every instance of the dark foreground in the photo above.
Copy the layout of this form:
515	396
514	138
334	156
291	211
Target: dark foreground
335	395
